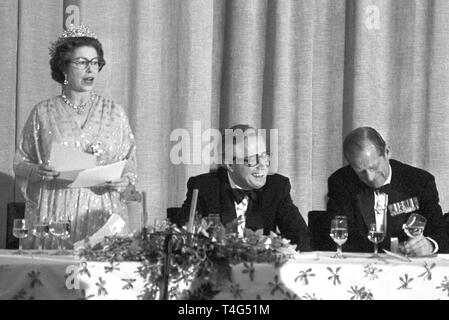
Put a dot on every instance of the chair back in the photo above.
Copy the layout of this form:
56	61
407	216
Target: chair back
319	226
15	210
174	215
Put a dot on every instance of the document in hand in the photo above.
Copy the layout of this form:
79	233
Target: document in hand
96	176
81	167
64	158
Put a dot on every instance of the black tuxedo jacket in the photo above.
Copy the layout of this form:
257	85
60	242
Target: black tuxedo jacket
349	196
273	206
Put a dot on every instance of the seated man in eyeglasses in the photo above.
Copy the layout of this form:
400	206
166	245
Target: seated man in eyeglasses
242	191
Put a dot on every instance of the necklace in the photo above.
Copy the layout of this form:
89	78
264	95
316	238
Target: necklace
79	109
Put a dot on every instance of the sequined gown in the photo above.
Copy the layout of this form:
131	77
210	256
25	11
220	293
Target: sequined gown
106	133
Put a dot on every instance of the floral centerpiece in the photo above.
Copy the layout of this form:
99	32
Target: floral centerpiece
171	257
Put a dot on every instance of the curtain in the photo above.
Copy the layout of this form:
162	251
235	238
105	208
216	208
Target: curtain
312	69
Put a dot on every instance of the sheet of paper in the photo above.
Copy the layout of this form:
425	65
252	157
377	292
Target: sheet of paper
96	176
64	158
69	175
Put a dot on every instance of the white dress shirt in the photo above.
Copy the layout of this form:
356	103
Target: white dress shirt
240	209
381	203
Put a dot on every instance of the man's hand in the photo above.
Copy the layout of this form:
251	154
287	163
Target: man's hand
416	247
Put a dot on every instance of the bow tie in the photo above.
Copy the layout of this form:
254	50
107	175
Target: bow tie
239	194
384	189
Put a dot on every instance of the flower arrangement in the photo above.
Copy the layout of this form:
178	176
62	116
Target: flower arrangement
176	264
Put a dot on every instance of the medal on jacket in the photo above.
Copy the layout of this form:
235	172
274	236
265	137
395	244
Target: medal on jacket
404	206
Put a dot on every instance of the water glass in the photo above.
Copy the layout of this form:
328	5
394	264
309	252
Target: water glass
41	231
67	223
414	227
378	230
20	231
376	234
60	229
339	233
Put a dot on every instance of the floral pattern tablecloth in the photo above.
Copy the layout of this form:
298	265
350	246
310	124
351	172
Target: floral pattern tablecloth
319	276
311	276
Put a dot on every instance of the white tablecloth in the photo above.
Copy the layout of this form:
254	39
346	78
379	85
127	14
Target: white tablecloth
310	276
318	276
32	276
49	276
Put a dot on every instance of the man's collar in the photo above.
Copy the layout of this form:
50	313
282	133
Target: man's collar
231	182
389	176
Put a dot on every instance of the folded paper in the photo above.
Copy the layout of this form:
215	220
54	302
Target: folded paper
63	158
81	168
99	175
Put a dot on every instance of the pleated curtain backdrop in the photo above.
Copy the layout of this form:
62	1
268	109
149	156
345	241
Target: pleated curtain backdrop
313	69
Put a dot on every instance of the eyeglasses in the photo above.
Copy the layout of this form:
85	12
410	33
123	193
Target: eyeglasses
257	159
83	63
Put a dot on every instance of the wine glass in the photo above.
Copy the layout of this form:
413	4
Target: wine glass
60	229
20	231
414	227
41	231
339	233
66	221
376	234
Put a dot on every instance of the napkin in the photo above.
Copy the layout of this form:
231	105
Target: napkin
397	255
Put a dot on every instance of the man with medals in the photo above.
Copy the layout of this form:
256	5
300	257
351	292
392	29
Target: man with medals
373	180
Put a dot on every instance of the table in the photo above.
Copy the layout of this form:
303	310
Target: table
318	276
63	277
312	275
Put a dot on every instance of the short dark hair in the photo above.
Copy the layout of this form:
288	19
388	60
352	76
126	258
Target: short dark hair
356	141
243	127
58	60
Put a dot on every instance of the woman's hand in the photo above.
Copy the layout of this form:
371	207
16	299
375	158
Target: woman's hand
44	172
118	184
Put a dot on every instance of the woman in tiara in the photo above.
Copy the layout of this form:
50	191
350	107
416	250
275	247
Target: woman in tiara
83	120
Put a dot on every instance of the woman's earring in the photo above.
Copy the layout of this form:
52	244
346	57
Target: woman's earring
65	80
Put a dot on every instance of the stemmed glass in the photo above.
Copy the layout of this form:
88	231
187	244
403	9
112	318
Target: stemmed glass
376	234
20	231
66	220
378	230
414	227
60	228
40	231
339	233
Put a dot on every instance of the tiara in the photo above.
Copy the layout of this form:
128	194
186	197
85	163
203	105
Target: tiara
72	32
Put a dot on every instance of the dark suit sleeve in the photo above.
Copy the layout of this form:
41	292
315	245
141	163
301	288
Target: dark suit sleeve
291	224
340	204
430	208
